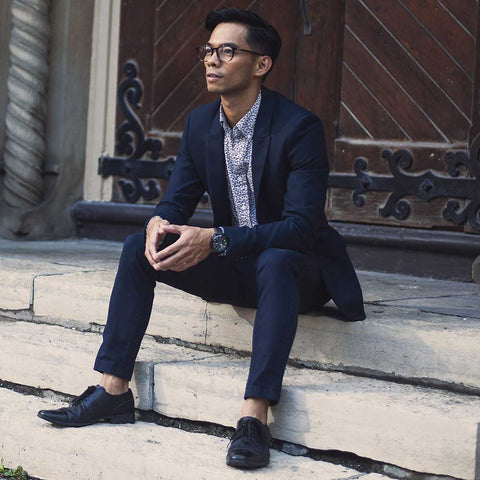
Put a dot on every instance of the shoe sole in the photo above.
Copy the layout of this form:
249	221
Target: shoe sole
246	465
115	419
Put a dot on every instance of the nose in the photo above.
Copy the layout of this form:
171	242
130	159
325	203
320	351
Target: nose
213	59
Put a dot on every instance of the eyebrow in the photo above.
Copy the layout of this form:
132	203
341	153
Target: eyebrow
226	44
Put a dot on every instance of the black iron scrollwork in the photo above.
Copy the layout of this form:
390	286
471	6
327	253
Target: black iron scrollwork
132	145
426	186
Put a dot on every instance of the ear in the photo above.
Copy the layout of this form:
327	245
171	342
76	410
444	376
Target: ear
263	65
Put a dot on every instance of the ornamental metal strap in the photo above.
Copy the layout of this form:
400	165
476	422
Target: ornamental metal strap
132	145
426	186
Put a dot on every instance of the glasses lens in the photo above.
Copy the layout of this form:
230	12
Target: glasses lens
225	53
203	51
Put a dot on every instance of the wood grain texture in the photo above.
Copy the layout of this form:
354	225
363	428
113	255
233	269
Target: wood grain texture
370	115
423	214
427	52
447	32
137	47
386	90
351	126
179	83
475	129
318	65
462	11
431	101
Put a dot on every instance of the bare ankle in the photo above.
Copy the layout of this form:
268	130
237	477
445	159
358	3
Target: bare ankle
257	408
113	385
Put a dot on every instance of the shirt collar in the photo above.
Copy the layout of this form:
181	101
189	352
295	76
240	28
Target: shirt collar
242	126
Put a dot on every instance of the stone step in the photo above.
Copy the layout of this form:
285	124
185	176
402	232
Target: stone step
131	452
413	329
416	428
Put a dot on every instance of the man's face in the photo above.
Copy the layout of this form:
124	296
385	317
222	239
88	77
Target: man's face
237	74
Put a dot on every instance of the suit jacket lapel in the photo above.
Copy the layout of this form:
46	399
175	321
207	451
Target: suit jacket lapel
216	174
261	139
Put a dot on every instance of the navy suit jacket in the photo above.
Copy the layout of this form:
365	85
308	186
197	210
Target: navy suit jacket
290	172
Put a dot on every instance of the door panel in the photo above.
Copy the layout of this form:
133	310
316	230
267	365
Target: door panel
395	76
407	83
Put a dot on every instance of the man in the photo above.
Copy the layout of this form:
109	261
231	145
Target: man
262	159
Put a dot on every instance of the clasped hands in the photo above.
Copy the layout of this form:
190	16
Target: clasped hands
192	246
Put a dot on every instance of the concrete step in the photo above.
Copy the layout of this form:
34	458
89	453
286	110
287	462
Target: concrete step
131	452
417	329
416	428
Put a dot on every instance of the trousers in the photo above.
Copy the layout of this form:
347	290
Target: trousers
280	283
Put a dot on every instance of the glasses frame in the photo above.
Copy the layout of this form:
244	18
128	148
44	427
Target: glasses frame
215	50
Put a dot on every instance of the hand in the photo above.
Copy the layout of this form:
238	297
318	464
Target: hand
155	235
192	246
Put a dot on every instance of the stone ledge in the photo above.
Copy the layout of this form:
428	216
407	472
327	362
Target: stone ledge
401	337
415	428
61	359
126	452
412	427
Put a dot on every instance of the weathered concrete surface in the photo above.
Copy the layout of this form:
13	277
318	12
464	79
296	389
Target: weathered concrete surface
386	287
416	327
127	452
21	262
81	299
415	428
60	359
397	341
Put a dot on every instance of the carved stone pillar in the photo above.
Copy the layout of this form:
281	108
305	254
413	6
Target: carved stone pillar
26	114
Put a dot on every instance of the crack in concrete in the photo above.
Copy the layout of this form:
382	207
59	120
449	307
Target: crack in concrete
437	311
206	322
433	297
362	465
213	350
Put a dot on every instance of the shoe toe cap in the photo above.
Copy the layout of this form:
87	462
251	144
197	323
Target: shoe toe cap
51	415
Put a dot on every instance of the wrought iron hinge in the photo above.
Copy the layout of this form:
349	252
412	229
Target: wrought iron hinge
426	186
132	145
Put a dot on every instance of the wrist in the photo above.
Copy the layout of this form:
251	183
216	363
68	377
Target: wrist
219	242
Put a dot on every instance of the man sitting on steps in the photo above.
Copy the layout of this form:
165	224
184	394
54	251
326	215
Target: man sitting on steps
263	162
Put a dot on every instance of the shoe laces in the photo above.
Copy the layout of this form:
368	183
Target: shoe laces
245	431
85	394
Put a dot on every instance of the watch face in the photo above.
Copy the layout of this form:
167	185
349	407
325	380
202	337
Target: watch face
219	243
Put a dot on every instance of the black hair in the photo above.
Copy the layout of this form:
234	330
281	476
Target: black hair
261	36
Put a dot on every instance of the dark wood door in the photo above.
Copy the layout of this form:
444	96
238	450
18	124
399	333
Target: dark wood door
389	79
407	84
161	37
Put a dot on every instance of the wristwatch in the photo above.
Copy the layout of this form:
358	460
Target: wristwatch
219	242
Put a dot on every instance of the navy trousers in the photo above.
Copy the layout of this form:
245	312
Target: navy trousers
279	283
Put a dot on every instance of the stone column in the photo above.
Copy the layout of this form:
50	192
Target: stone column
26	113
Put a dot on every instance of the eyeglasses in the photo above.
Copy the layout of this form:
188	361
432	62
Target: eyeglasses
224	52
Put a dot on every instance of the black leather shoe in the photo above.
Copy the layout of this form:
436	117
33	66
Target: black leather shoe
92	406
249	444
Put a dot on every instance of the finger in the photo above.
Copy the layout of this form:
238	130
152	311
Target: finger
168	251
151	248
178	229
176	262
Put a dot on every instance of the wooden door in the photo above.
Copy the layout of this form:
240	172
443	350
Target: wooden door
406	100
161	37
393	82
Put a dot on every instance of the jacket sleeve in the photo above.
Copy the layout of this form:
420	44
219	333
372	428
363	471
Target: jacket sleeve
304	198
184	189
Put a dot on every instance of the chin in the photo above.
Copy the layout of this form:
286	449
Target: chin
213	89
